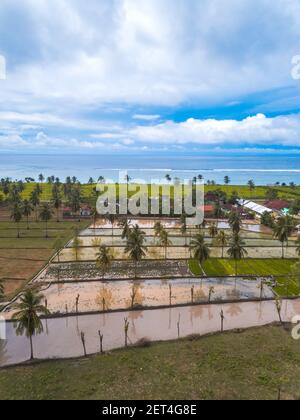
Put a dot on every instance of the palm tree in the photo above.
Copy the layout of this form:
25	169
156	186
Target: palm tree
200	249
46	215
104	260
235	221
227	180
57	203
76	244
27	317
298	246
158	227
41	178
16	216
27	210
135	246
213	230
1	290
35	201
222	241
165	241
125	225
251	185
283	229
236	249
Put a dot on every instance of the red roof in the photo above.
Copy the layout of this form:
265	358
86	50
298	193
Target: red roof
209	209
277	204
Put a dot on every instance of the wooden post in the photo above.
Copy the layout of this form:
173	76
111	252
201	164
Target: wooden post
222	320
126	328
101	342
77	303
83	343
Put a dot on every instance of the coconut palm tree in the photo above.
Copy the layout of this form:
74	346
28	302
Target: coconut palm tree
35	201
27	210
1	290
164	241
135	246
236	249
16	215
227	180
27	317
158	227
104	260
76	244
125	225
57	203
200	249
283	229
222	240
298	246
46	215
213	230
235	221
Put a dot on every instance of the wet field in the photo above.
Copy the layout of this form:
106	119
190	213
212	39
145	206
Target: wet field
61	337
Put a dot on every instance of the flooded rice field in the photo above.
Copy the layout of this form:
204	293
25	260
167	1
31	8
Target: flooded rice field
119	270
173	253
61	336
117	295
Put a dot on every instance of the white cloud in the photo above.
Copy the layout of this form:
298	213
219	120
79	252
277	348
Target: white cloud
143	117
253	130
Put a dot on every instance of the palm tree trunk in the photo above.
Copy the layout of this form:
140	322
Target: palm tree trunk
46	230
222	252
282	251
18	228
31	347
235	268
27	222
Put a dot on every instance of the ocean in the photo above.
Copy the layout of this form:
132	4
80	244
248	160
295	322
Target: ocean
262	169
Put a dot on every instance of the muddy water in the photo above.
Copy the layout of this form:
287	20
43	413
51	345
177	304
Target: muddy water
148	293
61	337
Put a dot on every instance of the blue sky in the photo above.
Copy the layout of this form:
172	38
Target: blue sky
149	75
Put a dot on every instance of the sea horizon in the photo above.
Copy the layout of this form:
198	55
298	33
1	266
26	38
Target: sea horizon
262	169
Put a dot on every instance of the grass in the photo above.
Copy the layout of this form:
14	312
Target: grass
215	367
243	191
22	258
281	269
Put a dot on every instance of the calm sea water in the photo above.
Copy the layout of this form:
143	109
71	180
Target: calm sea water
264	170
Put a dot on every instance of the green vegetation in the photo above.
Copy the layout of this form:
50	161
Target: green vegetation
215	367
288	284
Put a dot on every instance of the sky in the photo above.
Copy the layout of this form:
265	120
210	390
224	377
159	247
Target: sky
102	76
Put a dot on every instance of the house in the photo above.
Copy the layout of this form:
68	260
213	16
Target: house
209	211
277	205
258	209
211	197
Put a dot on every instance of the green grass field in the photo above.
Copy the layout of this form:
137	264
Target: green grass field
216	367
243	191
281	269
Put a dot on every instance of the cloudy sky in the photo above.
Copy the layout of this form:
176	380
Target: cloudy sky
142	75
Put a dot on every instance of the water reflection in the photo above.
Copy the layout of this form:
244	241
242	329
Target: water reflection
157	325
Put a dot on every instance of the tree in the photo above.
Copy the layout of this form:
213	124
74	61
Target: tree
35	201
77	244
200	249
27	210
283	229
298	246
227	180
57	203
1	290
213	230
235	221
16	215
158	227
267	219
135	246
251	185
41	178
236	249
222	240
104	260
125	225
46	215
27	317
165	241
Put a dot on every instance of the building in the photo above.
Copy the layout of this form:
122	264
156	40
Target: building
258	209
209	211
278	205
